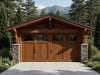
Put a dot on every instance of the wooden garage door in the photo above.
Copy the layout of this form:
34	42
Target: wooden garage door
51	47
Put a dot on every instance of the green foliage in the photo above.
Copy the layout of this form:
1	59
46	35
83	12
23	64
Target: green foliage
95	50
90	64
14	62
52	12
78	11
30	11
97	32
90	51
65	16
19	16
92	5
4	35
5	53
2	68
10	9
85	61
43	13
58	13
96	57
5	60
97	67
0	61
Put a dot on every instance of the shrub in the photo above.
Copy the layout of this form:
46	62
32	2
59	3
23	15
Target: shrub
0	61
90	64
90	52
95	50
5	53
97	67
14	62
96	57
5	60
85	61
2	69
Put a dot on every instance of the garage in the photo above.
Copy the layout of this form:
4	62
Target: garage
50	38
50	47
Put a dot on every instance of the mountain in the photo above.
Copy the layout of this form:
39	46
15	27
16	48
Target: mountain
62	10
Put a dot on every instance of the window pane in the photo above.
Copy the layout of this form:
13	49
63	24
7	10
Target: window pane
57	37
43	37
28	37
71	38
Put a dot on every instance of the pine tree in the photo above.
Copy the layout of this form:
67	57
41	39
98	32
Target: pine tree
43	12
97	32
30	10
4	35
52	12
10	9
58	13
19	16
78	11
92	8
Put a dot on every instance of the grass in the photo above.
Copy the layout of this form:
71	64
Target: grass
4	68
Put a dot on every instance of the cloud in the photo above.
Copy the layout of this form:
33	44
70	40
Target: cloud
40	6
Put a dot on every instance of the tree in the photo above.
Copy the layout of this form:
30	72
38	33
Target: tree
43	12
4	35
10	6
97	32
52	12
58	13
19	16
92	8
78	11
29	9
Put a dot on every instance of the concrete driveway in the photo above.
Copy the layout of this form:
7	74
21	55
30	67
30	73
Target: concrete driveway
50	68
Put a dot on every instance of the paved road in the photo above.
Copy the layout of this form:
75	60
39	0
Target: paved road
50	68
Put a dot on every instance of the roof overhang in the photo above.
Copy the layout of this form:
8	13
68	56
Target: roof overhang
59	18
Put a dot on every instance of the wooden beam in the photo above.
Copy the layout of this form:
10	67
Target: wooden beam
15	41
50	22
74	24
84	36
25	24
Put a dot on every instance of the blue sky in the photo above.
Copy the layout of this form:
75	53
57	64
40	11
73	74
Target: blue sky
45	3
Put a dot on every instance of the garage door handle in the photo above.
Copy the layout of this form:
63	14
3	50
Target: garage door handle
34	51
50	51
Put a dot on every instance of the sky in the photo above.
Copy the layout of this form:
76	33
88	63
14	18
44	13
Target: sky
45	3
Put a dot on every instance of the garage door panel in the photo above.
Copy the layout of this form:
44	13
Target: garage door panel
56	54
28	51
41	53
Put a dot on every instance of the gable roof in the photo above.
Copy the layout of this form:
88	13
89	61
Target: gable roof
45	17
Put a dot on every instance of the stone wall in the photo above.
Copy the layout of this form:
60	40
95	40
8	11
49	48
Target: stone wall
84	52
16	52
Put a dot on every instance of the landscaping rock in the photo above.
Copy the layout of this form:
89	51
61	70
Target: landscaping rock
10	63
6	64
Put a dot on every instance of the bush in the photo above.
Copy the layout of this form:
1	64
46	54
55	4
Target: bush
90	52
2	69
5	60
95	50
85	61
0	61
90	64
5	53
14	62
96	57
97	67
